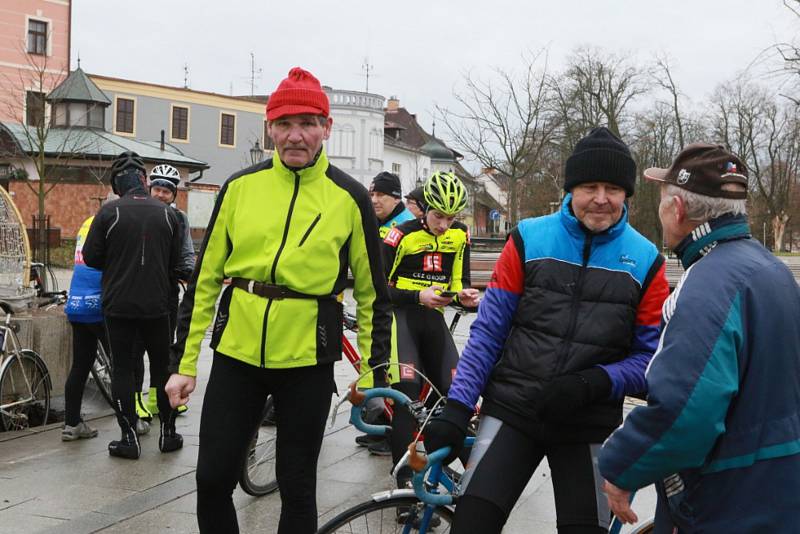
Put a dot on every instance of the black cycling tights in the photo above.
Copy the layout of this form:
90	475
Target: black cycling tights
424	344
232	407
122	335
84	350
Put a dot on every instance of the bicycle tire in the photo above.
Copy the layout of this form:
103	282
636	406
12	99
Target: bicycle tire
257	477
101	370
376	516
13	386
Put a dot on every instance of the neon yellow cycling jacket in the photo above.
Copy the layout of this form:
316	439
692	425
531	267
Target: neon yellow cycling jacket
299	229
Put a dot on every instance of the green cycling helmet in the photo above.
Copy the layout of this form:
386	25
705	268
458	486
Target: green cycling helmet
445	192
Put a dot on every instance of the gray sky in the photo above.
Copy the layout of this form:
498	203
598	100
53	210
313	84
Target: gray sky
419	49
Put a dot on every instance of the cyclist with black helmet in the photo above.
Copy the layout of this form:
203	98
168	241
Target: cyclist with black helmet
427	267
164	181
135	240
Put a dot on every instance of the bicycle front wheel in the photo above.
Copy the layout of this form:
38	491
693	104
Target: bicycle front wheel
258	475
24	392
394	514
101	374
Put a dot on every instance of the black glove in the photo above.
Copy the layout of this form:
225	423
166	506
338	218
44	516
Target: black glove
448	430
566	394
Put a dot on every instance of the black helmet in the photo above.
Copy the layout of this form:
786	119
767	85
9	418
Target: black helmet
127	163
127	160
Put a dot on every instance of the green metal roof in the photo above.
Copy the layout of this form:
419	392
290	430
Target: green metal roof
90	143
78	88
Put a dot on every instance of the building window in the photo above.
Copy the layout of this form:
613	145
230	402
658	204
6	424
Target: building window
180	123
268	144
125	112
37	37
227	129
342	142
396	169
34	108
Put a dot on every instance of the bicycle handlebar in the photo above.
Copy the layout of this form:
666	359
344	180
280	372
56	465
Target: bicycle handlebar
358	398
433	462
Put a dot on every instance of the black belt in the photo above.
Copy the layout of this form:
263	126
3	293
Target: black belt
270	291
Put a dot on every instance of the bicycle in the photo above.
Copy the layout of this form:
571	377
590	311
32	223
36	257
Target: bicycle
25	383
257	477
431	501
258	473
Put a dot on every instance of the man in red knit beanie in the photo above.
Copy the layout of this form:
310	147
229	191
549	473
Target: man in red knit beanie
285	232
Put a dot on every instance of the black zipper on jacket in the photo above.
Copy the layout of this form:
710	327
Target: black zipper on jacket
275	262
576	302
308	232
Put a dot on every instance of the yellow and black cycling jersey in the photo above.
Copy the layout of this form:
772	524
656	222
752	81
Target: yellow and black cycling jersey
415	259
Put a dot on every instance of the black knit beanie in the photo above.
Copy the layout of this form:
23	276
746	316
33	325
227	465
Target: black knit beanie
601	156
388	184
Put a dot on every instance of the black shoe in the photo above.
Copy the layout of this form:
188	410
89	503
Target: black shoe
380	448
127	446
365	440
169	440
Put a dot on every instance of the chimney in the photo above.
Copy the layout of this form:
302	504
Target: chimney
162	140
393	104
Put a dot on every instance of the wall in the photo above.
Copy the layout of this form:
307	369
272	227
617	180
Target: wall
67	204
16	73
413	165
356	141
152	110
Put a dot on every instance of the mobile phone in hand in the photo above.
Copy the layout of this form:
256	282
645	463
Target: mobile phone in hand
447	294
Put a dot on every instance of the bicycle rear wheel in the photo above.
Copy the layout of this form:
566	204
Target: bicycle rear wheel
101	374
258	474
24	392
394	514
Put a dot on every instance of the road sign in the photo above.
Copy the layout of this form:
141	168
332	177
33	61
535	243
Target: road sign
494	215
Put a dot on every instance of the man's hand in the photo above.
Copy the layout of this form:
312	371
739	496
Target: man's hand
178	389
429	298
469	298
619	500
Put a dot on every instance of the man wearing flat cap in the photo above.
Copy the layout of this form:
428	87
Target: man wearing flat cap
720	435
284	232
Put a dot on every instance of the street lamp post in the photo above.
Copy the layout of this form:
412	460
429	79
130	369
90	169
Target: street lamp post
256	153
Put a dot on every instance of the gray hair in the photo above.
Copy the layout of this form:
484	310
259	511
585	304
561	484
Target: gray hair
702	208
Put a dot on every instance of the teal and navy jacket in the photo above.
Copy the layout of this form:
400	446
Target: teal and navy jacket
721	429
399	215
563	299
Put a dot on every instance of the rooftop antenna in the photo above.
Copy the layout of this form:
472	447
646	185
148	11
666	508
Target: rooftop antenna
253	72
367	68
185	75
79	59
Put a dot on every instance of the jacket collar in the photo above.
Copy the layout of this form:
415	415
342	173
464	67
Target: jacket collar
310	172
578	230
400	208
709	234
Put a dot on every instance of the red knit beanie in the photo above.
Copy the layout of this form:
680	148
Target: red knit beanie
300	92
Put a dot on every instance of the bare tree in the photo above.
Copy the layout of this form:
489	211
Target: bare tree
596	89
663	77
49	149
766	134
504	124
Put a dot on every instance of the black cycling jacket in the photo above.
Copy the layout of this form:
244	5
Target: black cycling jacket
135	241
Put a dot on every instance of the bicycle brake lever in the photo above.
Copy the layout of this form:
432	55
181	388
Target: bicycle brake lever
401	463
345	398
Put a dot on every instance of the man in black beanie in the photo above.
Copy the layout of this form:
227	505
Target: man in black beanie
386	194
567	327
